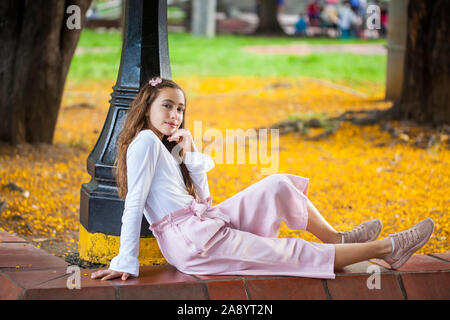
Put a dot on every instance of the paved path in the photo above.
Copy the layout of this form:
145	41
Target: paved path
304	49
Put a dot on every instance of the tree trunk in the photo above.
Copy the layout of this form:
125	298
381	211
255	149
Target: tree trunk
268	18
425	96
203	19
35	55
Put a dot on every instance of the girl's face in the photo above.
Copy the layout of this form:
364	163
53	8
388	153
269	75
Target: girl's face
166	112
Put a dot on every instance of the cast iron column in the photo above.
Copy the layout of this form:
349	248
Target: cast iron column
145	54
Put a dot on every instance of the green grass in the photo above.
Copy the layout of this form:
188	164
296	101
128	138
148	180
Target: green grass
224	56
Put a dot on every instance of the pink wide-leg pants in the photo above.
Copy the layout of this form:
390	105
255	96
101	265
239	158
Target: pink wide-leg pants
239	236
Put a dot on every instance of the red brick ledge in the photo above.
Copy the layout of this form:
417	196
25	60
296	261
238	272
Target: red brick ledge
29	273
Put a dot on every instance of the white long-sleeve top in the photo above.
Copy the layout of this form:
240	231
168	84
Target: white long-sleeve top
155	188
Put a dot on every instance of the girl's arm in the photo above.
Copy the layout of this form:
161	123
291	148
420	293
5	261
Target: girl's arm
198	164
142	155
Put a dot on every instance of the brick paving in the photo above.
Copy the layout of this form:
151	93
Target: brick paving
29	273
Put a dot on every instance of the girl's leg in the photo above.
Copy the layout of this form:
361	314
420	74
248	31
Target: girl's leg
260	208
349	253
319	227
263	206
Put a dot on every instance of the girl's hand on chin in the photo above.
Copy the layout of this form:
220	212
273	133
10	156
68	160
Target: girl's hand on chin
109	274
184	139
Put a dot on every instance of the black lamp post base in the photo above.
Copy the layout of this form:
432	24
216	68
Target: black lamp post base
145	54
105	211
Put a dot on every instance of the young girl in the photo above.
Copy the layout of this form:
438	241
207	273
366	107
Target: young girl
161	175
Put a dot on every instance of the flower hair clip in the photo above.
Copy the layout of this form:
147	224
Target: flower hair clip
154	81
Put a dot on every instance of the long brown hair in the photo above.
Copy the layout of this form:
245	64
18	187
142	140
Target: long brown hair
136	121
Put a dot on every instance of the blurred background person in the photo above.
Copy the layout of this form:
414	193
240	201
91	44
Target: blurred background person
314	13
301	25
383	20
280	5
330	18
347	19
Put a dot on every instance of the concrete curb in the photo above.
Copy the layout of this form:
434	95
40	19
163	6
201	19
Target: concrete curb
29	273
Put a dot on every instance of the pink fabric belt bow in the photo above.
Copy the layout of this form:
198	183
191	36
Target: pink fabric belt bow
200	206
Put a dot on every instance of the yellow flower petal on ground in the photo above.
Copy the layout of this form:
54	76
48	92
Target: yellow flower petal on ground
359	173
